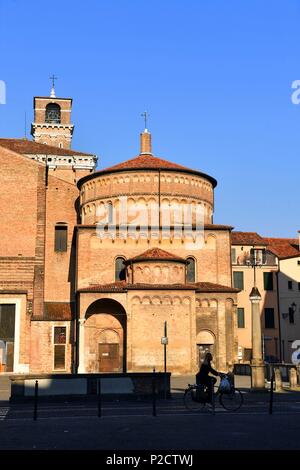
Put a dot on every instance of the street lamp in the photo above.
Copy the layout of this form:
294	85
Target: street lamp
257	363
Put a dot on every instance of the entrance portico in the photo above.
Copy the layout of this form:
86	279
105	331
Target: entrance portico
103	337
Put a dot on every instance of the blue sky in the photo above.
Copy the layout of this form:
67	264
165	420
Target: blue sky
214	75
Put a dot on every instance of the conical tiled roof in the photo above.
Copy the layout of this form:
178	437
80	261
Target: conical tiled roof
156	254
146	162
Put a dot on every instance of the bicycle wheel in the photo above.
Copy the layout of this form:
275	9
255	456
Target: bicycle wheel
190	402
231	401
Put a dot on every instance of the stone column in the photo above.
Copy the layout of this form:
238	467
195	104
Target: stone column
81	365
278	380
293	379
257	363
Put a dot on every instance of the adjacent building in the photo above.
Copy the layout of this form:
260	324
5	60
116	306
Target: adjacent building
276	275
287	252
264	277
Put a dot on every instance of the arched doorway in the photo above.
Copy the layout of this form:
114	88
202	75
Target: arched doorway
105	337
205	344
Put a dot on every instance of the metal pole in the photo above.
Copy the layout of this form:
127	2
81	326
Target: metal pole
99	399
154	394
36	394
212	397
165	362
271	393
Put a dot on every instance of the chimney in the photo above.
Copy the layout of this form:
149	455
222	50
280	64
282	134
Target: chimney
146	148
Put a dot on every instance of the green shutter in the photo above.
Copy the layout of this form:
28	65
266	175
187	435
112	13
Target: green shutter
268	281
238	280
241	317
269	318
61	238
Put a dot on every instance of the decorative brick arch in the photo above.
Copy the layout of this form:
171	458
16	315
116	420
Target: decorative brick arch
105	336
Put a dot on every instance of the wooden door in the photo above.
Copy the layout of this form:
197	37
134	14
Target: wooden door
109	357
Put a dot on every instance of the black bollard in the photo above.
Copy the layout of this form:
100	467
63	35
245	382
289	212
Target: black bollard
36	394
153	394
99	399
272	393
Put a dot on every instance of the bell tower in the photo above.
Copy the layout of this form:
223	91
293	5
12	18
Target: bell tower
52	120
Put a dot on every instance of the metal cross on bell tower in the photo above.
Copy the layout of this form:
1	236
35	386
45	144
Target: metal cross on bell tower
53	78
145	115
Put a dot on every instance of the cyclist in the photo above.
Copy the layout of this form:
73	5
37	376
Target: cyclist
203	377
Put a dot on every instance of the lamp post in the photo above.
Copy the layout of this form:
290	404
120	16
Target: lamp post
257	363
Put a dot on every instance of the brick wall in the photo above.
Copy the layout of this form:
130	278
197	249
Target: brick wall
60	266
96	257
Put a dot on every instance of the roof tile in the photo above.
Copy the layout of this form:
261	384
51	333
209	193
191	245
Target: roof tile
247	238
122	286
156	254
283	247
29	147
147	162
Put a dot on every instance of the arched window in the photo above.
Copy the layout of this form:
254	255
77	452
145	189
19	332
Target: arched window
191	270
120	269
53	113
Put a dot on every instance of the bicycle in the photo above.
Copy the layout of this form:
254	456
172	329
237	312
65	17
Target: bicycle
196	396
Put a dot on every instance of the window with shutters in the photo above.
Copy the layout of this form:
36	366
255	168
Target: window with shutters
291	315
60	340
268	281
233	256
238	280
241	317
269	318
61	238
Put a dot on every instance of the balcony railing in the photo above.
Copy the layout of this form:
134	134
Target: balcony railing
259	258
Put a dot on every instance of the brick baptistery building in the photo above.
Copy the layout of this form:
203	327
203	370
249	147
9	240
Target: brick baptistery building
76	298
